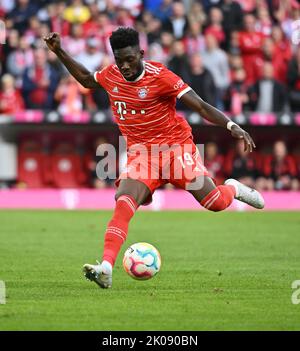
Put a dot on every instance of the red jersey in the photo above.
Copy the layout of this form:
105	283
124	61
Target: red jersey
144	109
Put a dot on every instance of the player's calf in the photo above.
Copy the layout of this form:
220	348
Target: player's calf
115	235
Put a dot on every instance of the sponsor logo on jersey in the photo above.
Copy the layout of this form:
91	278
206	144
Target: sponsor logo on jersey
179	84
115	90
142	93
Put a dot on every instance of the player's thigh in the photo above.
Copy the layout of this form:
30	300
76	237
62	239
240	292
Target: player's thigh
206	185
135	188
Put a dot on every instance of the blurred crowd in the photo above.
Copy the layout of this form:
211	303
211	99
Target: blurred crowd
238	55
273	167
65	165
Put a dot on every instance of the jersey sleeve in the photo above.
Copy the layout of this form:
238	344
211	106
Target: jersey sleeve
172	85
99	76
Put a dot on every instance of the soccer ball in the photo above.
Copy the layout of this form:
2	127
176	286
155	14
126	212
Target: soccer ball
142	261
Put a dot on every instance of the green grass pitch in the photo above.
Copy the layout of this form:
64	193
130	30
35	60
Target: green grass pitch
223	271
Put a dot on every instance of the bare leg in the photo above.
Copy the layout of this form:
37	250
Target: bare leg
208	186
134	188
130	195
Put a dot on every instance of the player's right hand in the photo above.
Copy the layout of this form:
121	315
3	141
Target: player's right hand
53	41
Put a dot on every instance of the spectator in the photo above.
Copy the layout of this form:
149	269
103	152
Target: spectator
237	98
39	82
279	63
91	27
7	6
179	61
197	14
92	56
20	59
164	11
232	18
12	44
282	49
293	78
97	99
32	31
11	100
133	7
201	80
214	162
241	165
55	63
152	5
264	21
56	18
151	26
250	43
69	95
21	13
287	15
235	62
267	94
279	170
194	41
167	40
216	61
75	42
248	6
177	24
233	46
123	17
77	12
215	25
156	53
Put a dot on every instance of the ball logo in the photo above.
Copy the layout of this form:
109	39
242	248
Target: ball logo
142	93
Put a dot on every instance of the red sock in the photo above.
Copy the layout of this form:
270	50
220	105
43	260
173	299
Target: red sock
117	228
219	198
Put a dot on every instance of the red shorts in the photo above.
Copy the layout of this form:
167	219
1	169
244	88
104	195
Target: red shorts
177	164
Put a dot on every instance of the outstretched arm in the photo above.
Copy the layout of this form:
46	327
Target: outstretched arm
79	72
207	111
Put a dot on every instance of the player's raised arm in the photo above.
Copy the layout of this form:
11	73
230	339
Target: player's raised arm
78	71
207	111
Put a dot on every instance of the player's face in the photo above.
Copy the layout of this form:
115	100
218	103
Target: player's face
129	62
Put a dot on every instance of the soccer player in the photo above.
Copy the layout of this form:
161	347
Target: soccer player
143	98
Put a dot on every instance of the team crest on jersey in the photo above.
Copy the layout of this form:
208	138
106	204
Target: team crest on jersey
142	93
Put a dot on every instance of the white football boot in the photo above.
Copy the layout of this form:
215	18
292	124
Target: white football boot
101	274
245	194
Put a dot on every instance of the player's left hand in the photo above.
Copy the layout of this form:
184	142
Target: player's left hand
239	133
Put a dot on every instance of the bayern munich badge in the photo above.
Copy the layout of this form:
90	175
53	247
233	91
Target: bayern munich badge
142	93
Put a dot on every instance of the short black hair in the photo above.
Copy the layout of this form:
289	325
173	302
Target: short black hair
123	37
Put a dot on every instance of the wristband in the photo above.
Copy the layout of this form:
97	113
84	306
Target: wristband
230	124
